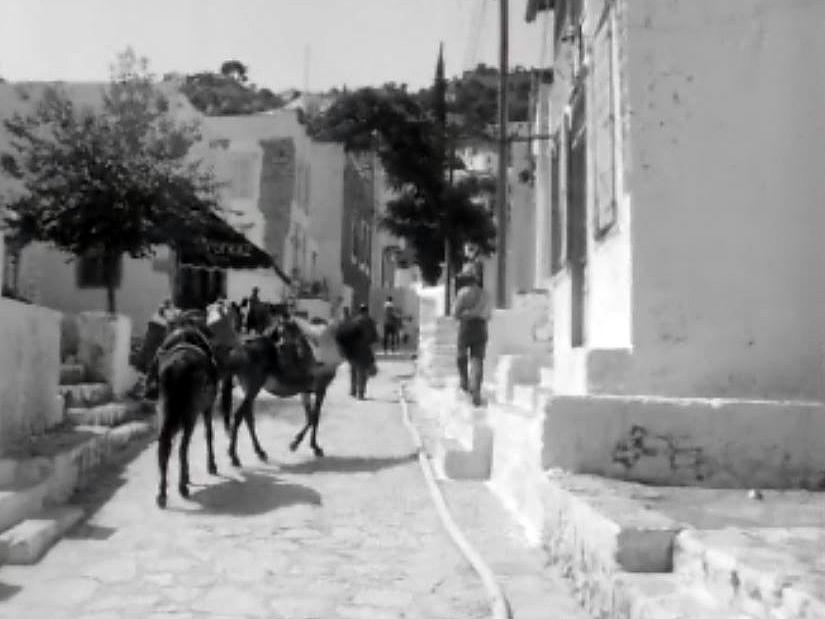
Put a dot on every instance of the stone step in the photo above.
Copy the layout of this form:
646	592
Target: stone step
663	596
72	373
111	414
86	394
546	377
30	539
17	504
764	571
21	473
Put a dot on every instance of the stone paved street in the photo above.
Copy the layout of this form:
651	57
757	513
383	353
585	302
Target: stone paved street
351	536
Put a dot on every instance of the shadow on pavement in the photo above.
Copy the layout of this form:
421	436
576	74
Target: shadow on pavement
7	591
342	464
90	531
255	494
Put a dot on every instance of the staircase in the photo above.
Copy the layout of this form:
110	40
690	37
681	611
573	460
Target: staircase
39	476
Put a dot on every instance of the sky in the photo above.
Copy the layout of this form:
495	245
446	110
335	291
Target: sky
285	43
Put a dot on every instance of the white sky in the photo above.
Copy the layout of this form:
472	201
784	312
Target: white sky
352	42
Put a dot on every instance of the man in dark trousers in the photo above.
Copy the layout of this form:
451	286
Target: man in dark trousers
359	373
391	325
472	310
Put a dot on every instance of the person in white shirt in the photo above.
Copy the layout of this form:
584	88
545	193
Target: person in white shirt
472	310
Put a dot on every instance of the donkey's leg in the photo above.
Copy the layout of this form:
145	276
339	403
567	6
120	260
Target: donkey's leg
164	449
183	454
306	400
210	453
233	437
249	417
316	417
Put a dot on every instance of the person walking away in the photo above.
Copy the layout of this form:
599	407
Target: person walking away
390	326
253	318
472	310
360	371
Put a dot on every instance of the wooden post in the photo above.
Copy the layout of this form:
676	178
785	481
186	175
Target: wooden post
501	193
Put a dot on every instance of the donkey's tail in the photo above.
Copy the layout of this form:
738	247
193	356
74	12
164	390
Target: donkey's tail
226	399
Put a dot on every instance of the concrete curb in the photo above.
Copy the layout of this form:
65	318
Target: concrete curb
499	606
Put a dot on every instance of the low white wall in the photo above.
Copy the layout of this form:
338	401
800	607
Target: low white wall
687	441
30	358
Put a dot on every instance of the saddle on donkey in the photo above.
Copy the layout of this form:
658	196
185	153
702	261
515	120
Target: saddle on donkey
191	333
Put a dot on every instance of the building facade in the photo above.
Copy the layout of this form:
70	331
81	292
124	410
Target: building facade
679	217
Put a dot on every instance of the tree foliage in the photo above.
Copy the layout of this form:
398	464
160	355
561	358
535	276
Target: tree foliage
228	93
107	181
234	69
402	128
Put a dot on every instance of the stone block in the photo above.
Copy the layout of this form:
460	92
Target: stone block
595	535
516	475
104	343
457	462
17	504
765	572
86	394
29	540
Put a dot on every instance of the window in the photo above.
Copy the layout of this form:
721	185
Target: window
92	271
577	180
556	249
604	127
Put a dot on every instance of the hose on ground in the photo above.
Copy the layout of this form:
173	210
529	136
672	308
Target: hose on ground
499	607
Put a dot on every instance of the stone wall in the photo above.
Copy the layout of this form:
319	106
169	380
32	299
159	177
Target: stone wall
30	358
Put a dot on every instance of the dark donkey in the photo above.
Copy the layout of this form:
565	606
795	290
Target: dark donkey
299	358
185	369
188	384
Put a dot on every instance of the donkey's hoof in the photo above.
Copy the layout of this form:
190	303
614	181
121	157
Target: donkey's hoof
235	460
319	453
212	468
184	491
161	501
262	456
294	445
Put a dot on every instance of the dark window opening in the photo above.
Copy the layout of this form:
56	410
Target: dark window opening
94	271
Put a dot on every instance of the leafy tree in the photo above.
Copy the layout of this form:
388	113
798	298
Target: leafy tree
107	181
234	69
405	132
228	92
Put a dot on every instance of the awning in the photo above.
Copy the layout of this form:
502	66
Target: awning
225	248
536	6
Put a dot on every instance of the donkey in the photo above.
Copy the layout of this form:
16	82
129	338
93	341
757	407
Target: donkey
299	358
188	388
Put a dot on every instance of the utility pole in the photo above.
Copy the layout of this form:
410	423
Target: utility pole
501	193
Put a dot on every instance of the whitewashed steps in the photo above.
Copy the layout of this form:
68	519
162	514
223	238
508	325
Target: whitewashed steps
111	414
72	373
86	394
29	540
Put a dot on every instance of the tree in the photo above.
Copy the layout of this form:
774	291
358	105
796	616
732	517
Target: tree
227	93
406	135
107	181
235	69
